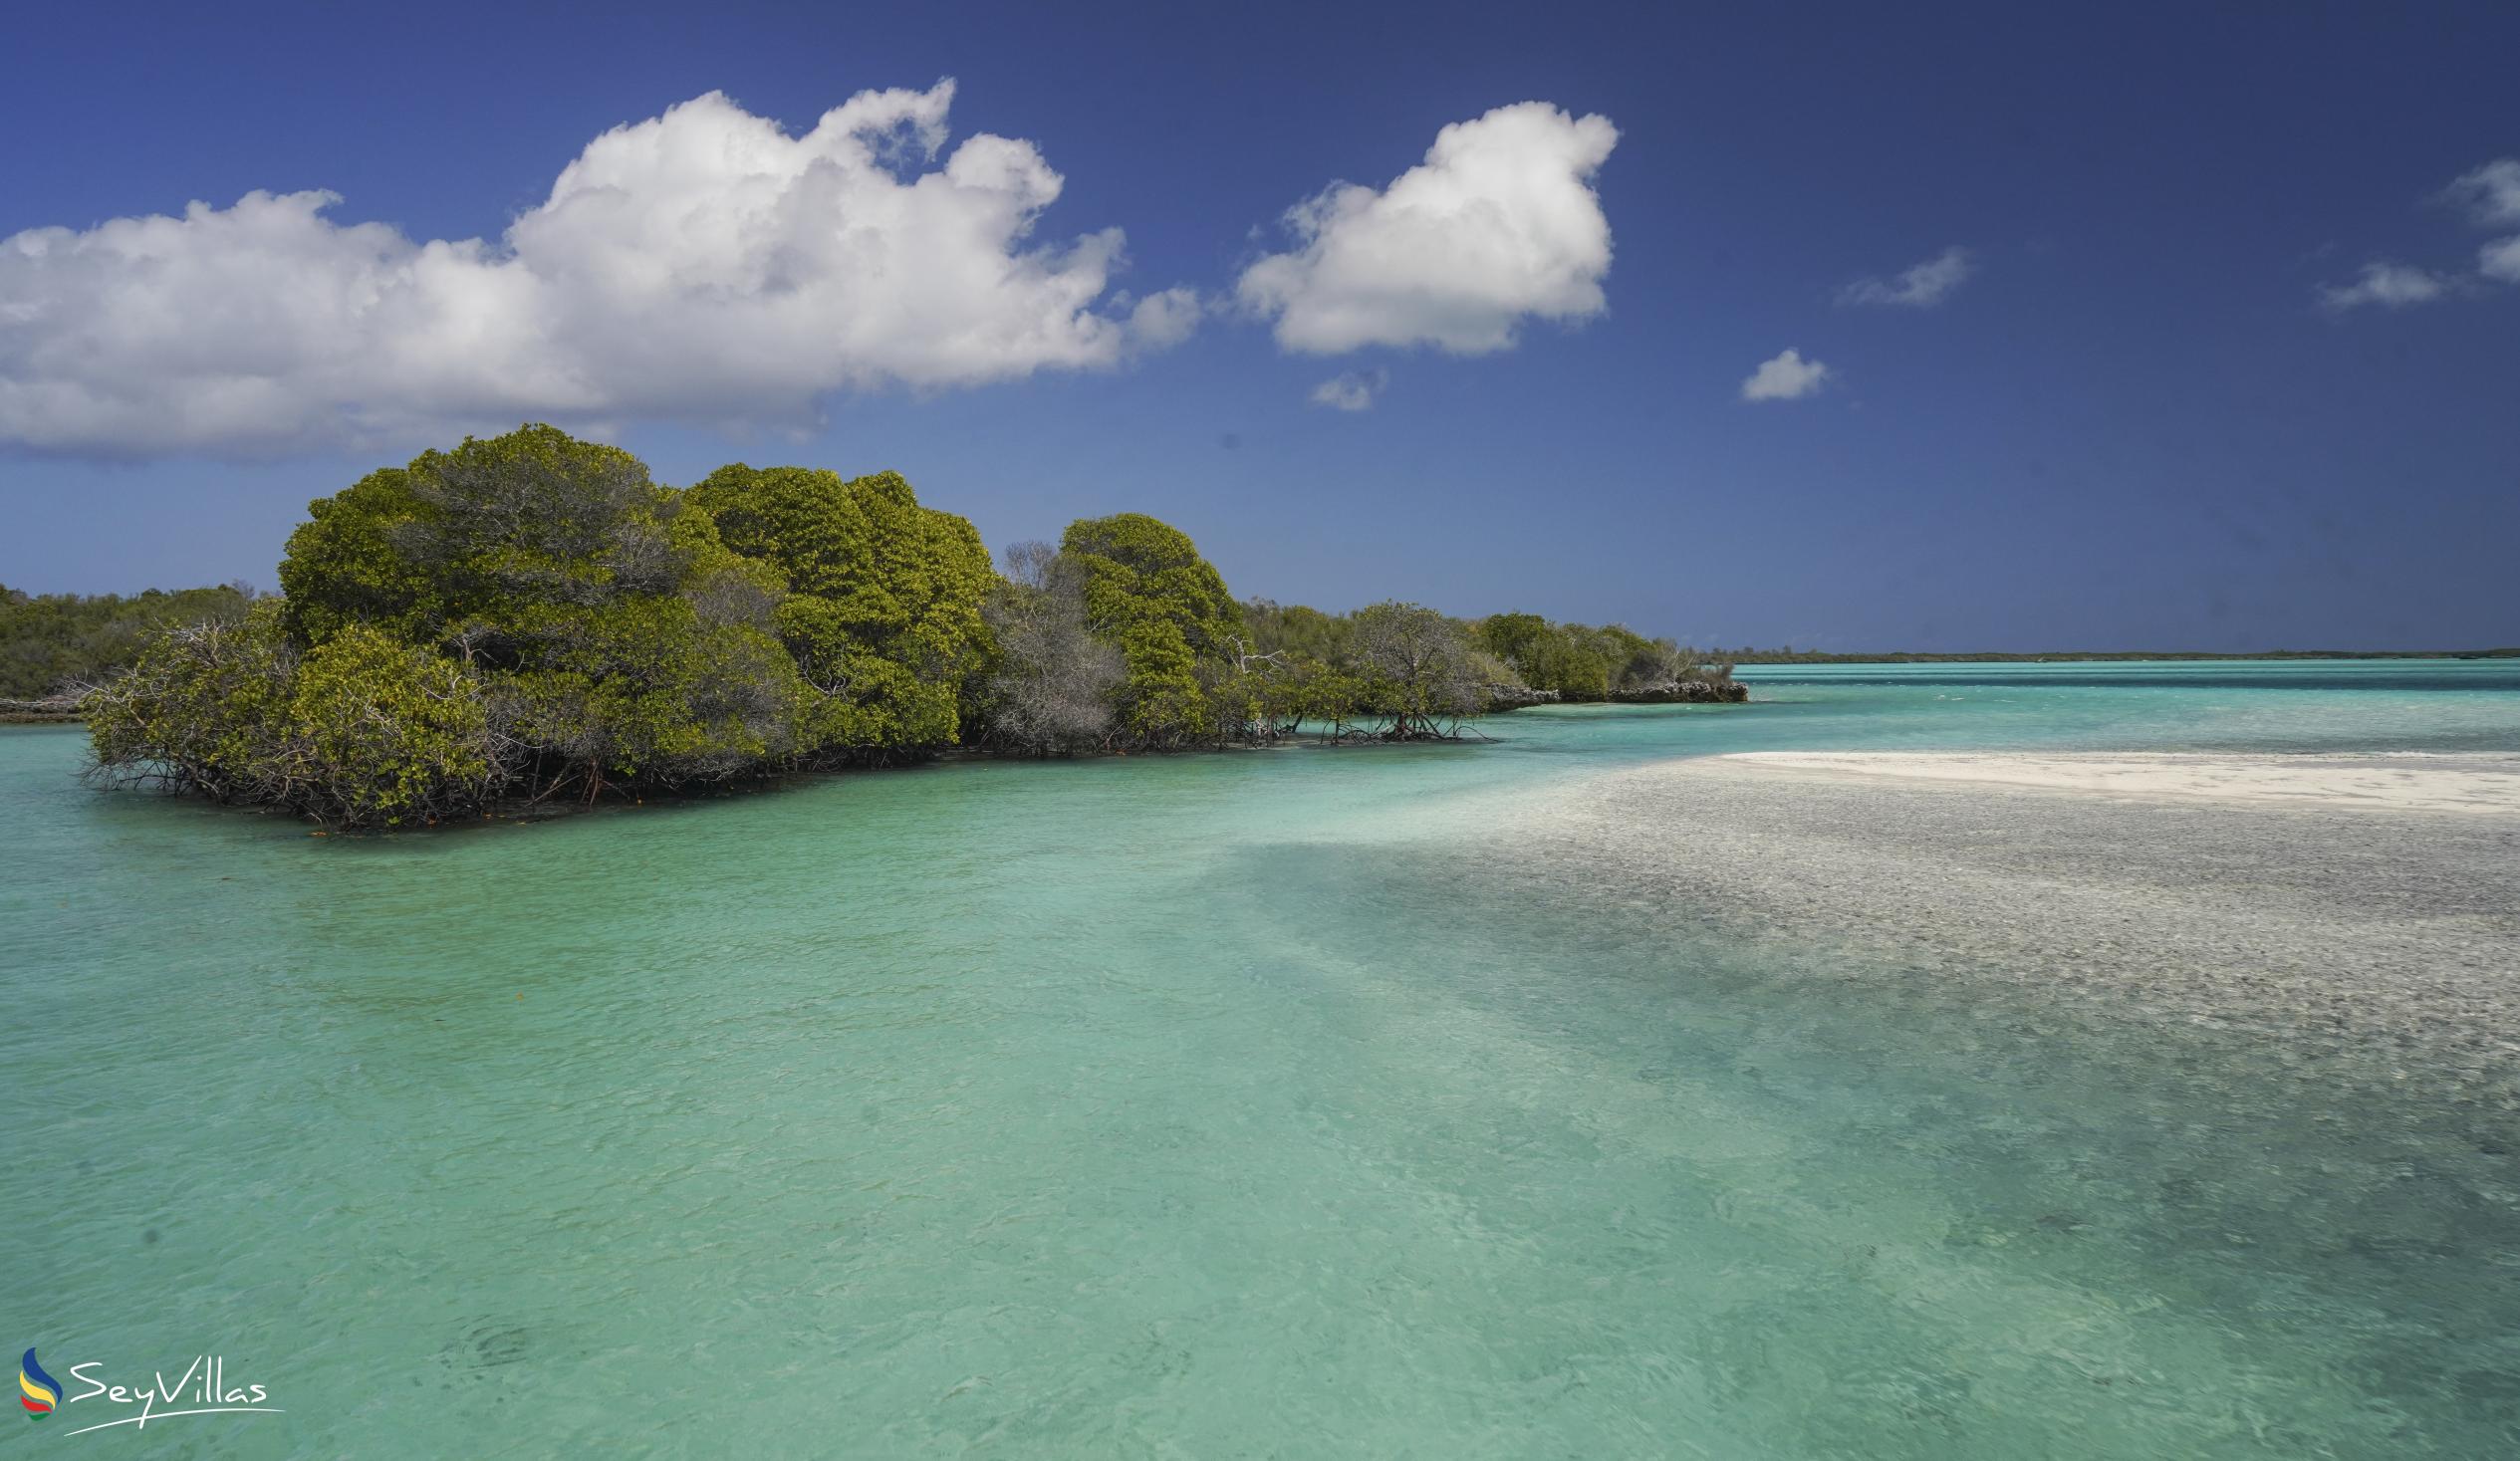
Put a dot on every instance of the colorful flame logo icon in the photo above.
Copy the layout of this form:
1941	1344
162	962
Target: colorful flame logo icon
37	1392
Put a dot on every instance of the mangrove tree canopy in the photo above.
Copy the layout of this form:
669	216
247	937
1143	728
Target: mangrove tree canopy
531	616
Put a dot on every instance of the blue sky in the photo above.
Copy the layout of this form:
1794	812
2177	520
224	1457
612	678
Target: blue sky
2163	404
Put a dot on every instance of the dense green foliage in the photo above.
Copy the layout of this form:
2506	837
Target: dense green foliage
614	636
1580	663
1389	671
531	616
1147	590
51	642
583	628
882	605
362	728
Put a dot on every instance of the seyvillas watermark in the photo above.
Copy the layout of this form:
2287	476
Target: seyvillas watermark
202	1390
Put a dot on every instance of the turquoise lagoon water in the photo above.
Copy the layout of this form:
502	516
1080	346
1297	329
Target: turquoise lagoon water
1197	1107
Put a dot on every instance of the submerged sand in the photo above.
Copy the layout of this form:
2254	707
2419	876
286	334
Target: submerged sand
2402	782
2361	909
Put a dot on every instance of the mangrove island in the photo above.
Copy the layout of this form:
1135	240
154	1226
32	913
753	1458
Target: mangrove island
531	617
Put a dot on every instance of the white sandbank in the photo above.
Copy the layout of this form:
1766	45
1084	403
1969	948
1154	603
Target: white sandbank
2326	904
2397	782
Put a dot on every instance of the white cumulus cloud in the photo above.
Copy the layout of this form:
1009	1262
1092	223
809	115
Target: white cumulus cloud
1788	377
1917	287
701	266
2394	285
1498	224
1353	391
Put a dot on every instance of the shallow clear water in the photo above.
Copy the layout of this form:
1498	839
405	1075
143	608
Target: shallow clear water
1242	1104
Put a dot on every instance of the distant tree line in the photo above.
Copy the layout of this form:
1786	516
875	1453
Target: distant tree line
51	643
1578	662
532	616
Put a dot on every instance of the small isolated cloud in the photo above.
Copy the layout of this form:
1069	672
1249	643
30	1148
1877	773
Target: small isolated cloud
701	266
2491	194
1919	287
1498	224
1353	391
1163	321
2393	286
1786	377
